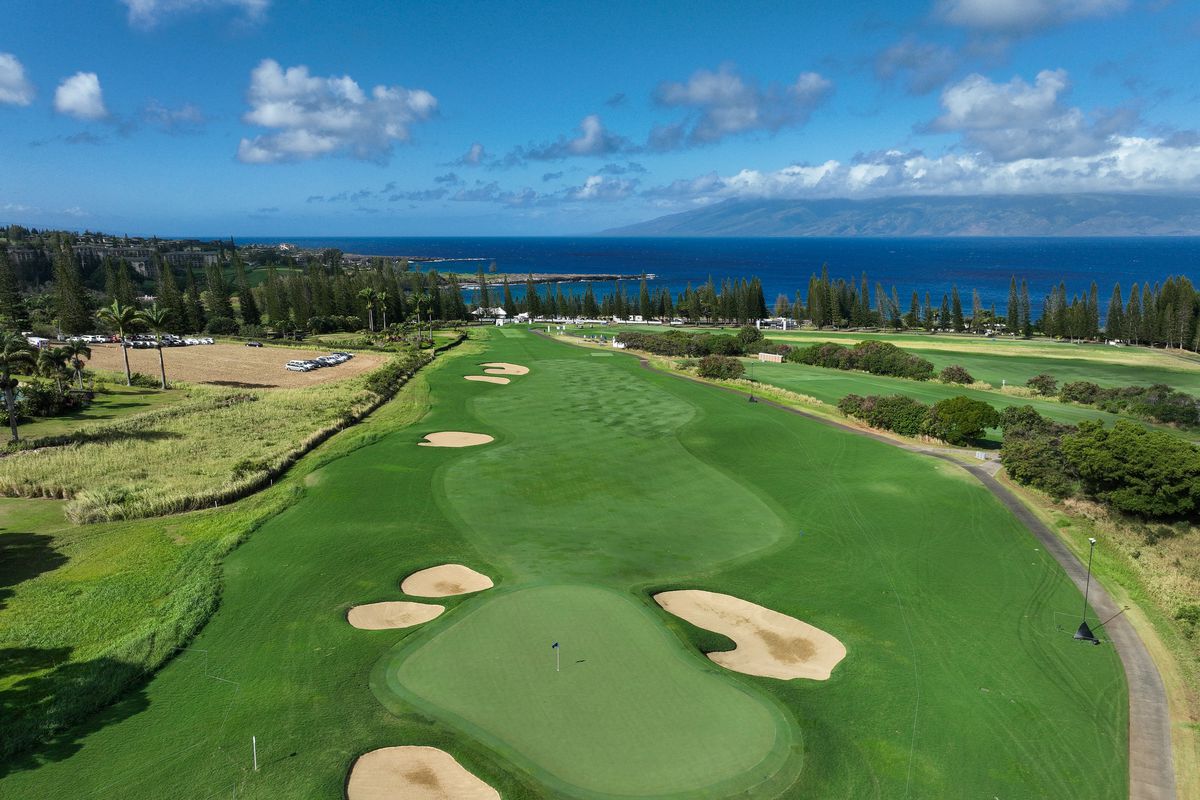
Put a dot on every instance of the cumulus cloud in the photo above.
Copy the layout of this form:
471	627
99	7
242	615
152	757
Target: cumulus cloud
450	178
621	169
722	104
1016	120
148	14
185	119
551	176
923	66
597	187
80	96
1014	17
592	139
476	154
316	116
1129	163
15	88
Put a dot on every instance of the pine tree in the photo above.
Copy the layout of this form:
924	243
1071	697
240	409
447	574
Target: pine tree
1026	311
485	300
71	302
1013	321
246	302
590	309
196	318
976	312
218	292
927	316
914	311
956	313
14	314
169	296
1114	323
944	313
1093	313
644	300
509	307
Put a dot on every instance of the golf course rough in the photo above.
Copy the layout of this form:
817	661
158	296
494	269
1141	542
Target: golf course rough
608	483
769	644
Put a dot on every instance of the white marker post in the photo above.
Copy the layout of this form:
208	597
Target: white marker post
254	748
557	657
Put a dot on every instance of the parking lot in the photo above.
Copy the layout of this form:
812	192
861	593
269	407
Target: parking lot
233	364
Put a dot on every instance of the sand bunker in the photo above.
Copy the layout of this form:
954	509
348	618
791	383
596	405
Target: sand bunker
487	378
396	614
501	368
414	773
454	439
446	580
769	644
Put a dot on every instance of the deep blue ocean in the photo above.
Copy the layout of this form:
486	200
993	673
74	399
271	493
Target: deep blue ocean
784	265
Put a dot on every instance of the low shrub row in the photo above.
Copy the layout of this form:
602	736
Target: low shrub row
1157	403
956	420
877	358
695	345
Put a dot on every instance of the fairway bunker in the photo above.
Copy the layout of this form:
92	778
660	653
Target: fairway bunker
487	378
455	439
414	773
769	644
445	580
394	614
504	368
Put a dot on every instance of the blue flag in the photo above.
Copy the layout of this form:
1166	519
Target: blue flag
554	646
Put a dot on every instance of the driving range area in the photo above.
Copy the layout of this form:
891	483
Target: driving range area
602	485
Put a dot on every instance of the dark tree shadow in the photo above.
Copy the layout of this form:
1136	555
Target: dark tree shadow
38	709
24	556
242	384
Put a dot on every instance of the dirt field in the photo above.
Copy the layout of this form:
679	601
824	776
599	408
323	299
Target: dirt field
232	365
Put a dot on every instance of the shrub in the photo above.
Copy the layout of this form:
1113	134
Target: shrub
1043	384
749	336
955	374
221	326
892	413
144	381
878	358
720	368
1032	451
960	420
1084	392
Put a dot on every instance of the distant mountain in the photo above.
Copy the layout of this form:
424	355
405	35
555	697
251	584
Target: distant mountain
1021	215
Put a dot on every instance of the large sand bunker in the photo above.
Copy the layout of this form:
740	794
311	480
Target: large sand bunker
395	614
503	368
487	378
414	773
445	581
769	644
454	439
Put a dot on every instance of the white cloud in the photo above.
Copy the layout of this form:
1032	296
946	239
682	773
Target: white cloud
1129	163
319	116
1021	16
924	66
724	104
1015	120
15	88
185	118
592	139
80	96
149	13
473	157
597	187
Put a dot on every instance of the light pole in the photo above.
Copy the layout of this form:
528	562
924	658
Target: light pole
1083	632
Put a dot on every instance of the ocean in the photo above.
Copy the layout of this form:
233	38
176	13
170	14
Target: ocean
784	265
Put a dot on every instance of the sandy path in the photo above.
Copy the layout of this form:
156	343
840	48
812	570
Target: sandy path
769	644
455	439
503	368
395	614
446	580
414	773
487	378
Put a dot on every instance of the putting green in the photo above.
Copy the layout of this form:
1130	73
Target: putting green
630	713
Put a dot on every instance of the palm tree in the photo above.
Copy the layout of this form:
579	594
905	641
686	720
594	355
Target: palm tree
15	352
121	318
158	320
423	300
369	296
77	352
52	363
381	298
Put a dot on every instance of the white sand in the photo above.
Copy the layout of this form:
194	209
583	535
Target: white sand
455	439
769	644
487	378
503	368
396	614
414	773
446	580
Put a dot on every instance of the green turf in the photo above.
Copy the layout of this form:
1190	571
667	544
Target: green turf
959	680
628	714
112	403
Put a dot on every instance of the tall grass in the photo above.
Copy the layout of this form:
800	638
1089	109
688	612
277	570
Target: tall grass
199	453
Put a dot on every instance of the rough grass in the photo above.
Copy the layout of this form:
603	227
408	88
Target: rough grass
86	612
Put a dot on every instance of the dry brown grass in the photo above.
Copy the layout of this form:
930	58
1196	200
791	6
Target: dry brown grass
232	365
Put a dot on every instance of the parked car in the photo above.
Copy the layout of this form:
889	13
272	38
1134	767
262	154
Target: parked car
248	344
297	366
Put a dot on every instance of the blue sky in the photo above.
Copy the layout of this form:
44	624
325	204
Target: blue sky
266	117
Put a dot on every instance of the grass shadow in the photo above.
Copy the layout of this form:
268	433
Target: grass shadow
24	556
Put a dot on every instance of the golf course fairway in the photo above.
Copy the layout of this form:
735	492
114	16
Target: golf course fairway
628	712
604	484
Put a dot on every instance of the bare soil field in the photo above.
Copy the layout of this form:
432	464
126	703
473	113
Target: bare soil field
233	365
